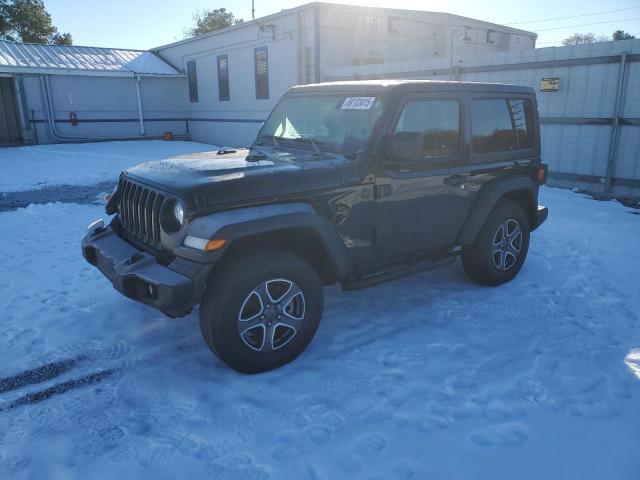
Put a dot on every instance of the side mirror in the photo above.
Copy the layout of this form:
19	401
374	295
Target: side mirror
406	146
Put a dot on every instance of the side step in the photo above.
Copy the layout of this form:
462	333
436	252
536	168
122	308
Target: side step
396	272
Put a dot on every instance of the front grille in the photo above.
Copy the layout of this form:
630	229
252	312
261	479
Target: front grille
139	208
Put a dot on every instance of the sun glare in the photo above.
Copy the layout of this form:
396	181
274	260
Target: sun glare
633	361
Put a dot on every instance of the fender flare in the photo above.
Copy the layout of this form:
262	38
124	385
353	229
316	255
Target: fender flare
236	224
488	197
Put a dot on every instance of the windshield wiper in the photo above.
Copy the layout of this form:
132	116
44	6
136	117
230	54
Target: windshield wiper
313	143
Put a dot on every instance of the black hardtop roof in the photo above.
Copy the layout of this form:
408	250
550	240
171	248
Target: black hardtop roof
387	85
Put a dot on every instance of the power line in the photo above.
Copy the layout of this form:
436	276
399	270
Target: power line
587	24
573	16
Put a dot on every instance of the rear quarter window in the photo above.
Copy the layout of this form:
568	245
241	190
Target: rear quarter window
501	124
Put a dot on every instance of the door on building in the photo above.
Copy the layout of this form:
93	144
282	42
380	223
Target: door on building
10	132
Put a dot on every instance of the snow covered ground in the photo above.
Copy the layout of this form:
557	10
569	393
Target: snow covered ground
27	168
428	377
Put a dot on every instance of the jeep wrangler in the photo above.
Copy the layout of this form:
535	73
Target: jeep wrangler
351	182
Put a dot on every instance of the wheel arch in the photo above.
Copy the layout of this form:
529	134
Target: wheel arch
295	227
521	190
301	240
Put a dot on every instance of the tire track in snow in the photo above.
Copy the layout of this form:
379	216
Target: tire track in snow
38	375
59	389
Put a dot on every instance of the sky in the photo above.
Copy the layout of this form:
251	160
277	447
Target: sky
144	24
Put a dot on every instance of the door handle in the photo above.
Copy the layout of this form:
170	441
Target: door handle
455	180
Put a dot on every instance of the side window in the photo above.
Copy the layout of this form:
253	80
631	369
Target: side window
192	77
501	125
261	60
223	78
437	120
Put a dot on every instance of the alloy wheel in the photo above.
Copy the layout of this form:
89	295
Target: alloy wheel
507	243
271	315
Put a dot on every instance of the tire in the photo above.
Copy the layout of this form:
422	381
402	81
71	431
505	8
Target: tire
494	258
238	325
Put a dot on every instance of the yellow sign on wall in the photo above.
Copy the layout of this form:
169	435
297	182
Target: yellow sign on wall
550	84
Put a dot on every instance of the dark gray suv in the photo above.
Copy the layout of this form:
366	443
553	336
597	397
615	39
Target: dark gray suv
355	182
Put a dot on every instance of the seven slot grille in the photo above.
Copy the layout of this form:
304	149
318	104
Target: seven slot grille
139	210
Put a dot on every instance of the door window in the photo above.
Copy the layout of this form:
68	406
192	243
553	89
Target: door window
438	121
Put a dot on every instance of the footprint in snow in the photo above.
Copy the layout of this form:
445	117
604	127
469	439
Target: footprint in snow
429	423
502	434
348	462
378	414
370	444
402	469
319	434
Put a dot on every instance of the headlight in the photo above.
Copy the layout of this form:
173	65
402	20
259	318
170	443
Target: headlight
178	212
172	217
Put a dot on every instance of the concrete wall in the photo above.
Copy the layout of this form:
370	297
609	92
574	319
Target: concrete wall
577	120
106	106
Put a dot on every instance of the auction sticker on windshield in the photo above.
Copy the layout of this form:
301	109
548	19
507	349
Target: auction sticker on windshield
358	103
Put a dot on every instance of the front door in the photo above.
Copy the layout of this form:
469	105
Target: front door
422	204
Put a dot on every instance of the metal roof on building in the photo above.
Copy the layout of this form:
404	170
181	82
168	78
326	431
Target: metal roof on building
62	59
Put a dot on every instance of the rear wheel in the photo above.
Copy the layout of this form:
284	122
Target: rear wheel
501	247
261	310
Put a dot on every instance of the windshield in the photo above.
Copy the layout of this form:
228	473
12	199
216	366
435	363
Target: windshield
338	123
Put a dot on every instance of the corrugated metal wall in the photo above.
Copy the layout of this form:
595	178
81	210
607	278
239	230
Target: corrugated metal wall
106	106
577	120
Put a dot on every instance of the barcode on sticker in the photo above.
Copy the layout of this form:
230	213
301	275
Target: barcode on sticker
358	103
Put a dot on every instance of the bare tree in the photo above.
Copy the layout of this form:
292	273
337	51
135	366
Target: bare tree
584	38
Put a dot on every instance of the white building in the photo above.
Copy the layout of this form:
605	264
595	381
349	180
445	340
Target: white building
219	87
236	75
54	93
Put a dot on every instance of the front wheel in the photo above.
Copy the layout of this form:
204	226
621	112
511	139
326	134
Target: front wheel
261	310
501	247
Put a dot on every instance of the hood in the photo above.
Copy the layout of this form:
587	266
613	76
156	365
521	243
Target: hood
213	179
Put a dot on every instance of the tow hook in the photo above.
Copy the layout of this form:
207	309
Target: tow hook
96	227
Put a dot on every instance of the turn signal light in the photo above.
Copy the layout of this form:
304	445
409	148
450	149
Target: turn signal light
203	243
214	244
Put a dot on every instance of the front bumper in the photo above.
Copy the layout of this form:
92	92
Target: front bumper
174	289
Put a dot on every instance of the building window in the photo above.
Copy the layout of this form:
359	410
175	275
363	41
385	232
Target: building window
261	60
393	25
223	78
467	36
192	77
501	125
373	23
437	120
491	36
